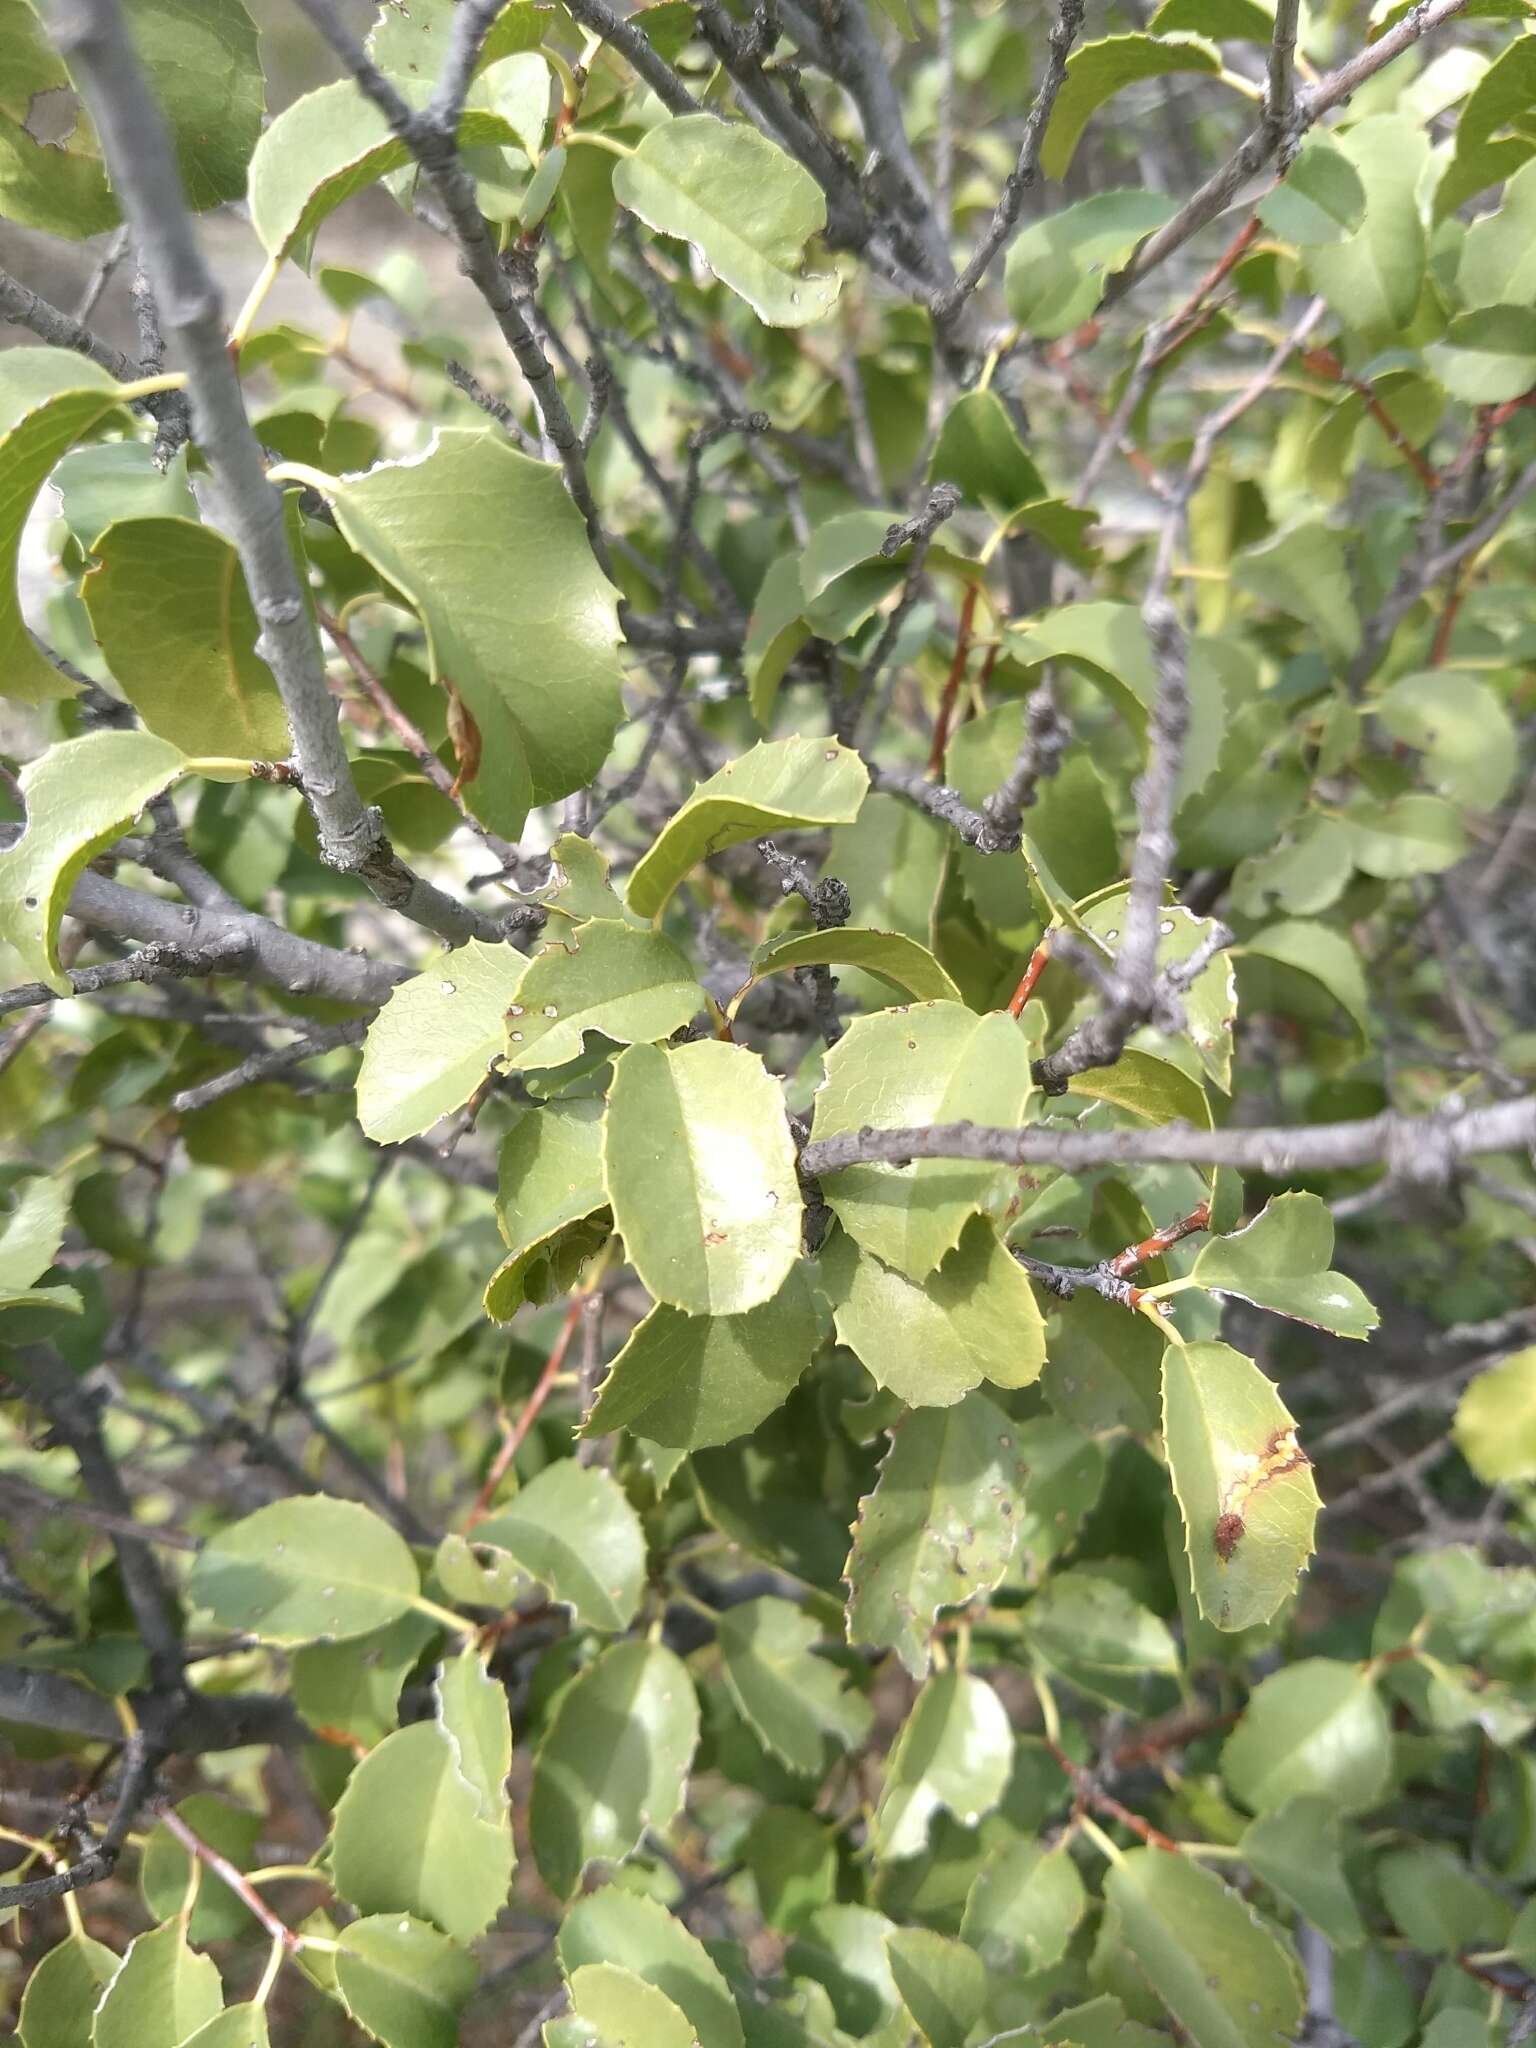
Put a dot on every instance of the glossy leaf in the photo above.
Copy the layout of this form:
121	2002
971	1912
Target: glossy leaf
1316	1727
304	1569
931	1343
403	1981
63	1992
794	1701
891	957
929	1063
606	977
634	1933
774	785
549	1176
1279	1261
169	607
939	1528
691	1381
80	796
573	1530
747	207
953	1755
701	1175
435	1040
1227	1978
1244	1485
614	1761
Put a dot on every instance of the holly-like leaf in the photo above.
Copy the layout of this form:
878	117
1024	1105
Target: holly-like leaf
80	796
573	1529
975	1319
614	1761
172	615
624	2011
953	1755
237	2026
409	1836
701	1175
353	1688
304	1569
929	1063
794	1701
435	1040
486	546
549	1177
1495	1426
63	1992
773	786
1226	1977
403	1981
472	1710
691	1381
890	956
162	1992
943	1984
607	977
747	207
1279	1261
1244	1484
1097	71
638	1934
31	1233
1315	1727
938	1530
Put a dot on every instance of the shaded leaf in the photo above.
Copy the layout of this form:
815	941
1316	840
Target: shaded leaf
1297	1848
166	1868
943	1984
305	1568
403	1981
161	1993
638	1934
1315	1727
1372	278
890	956
1057	268
953	1754
1495	1425
794	1701
606	977
1024	1906
549	1176
1320	198
63	1992
572	1528
1279	1261
1457	720
625	2011
979	450
1097	71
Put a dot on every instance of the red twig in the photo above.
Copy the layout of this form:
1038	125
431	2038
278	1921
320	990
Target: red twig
1190	315
1125	1263
1322	362
513	1438
1088	1793
946	712
237	1881
1027	980
1175	1734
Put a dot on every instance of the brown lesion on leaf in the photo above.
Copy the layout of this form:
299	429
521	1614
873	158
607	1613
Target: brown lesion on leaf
1282	1453
465	736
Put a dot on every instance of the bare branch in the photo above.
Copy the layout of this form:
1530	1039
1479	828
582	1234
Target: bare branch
946	804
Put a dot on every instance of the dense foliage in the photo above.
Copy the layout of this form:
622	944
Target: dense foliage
767	929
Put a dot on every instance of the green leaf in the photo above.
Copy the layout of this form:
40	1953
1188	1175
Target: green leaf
625	2011
775	785
353	1687
402	1981
1024	1906
1315	1727
1103	1370
110	481
1472	171
1405	836
1505	93
435	1040
472	1709
943	1984
607	977
1244	1485
410	46
792	1856
929	1343
793	1701
1459	723
409	1836
237	2026
573	1529
842	1949
32	1232
928	1063
1222	1972
549	1176
204	68
1057	268
891	957
1495	1427
1279	1261
1325	958
638	1934
776	632
58	186
1320	198
979	450
1441	1905
1210	1003
747	208
166	1868
169	607
1223	21
953	1755
328	144
1304	572
1297	1849
1148	1087
690	1381
701	1175
613	1763
1372	278
938	1529
63	1992
161	1993
1097	1635
1064	1472
304	1569
487	548
1487	356
80	796
1097	71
